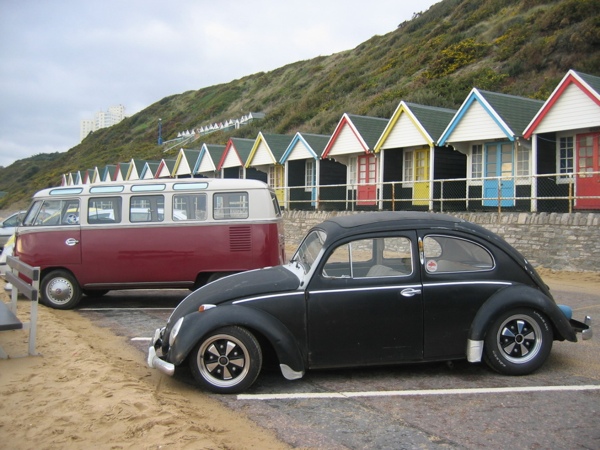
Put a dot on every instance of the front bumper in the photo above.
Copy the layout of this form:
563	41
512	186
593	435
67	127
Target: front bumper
153	360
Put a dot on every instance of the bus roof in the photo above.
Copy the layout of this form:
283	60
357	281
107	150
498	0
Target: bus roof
153	185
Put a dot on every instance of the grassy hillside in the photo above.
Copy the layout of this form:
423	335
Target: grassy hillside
520	47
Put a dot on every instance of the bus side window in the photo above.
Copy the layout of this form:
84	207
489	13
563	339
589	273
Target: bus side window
230	205
70	212
189	207
54	212
30	218
104	210
147	208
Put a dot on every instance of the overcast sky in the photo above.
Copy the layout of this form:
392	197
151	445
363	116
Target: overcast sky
62	61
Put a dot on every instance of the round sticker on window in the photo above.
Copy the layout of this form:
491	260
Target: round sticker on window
431	266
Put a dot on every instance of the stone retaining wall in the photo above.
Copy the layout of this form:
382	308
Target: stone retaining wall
552	240
555	241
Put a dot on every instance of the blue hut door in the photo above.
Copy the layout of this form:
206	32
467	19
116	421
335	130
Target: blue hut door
499	167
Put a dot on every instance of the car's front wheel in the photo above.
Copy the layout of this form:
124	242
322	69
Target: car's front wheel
518	342
60	290
227	361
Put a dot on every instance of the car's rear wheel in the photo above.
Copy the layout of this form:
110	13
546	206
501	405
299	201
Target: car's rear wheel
227	361
518	342
60	290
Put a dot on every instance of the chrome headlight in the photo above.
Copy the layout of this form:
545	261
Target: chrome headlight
175	331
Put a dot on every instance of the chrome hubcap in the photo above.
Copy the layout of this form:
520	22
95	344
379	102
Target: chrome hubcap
223	360
520	339
59	290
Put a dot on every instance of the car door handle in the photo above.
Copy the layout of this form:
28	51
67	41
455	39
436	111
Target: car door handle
410	292
71	242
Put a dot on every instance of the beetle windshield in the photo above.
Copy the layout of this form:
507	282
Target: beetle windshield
309	250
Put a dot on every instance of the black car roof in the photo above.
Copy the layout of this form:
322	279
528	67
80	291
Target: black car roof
386	220
373	222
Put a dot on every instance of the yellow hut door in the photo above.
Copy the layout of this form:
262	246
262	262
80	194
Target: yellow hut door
276	182
421	183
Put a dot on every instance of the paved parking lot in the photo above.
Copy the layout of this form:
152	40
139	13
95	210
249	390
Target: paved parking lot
417	406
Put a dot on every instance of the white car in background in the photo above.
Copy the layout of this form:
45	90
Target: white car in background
4	253
9	225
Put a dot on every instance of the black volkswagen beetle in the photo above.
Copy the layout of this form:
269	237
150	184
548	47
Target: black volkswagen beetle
370	289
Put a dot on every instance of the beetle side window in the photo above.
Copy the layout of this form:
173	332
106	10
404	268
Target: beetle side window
339	263
445	254
397	255
371	258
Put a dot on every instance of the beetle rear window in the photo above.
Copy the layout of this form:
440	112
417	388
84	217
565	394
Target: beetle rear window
445	254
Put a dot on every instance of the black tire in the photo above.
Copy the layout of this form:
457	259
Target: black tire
95	293
518	342
226	361
60	290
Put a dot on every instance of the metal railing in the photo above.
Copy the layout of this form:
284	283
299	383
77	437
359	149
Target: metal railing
536	193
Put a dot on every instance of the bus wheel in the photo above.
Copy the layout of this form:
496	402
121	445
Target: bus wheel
226	361
60	290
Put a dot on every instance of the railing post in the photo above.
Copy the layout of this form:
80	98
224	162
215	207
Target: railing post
534	193
441	195
499	198
570	195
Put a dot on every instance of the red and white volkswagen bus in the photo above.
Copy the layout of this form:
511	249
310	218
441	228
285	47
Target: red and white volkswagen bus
176	233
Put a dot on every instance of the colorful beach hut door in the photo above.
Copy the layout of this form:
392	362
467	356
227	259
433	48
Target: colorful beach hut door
588	171
499	167
276	182
367	173
421	183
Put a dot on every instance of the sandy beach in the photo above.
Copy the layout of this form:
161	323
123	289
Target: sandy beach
89	387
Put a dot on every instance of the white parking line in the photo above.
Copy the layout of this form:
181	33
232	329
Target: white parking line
143	339
346	395
126	309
